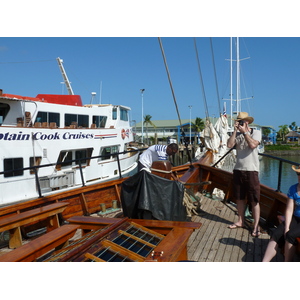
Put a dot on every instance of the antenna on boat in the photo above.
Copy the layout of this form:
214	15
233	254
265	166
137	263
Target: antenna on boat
93	97
100	98
65	77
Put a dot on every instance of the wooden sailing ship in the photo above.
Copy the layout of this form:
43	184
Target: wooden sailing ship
80	204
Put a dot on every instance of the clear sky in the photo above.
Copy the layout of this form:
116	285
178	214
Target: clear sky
117	68
114	52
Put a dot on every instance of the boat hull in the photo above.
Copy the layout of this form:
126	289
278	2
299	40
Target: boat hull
198	177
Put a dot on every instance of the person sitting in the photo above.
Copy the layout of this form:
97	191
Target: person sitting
287	232
154	153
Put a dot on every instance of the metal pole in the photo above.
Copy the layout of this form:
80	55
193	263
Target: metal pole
142	91
279	177
190	106
37	182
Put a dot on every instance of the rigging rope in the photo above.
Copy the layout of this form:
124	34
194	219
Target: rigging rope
169	77
213	58
25	62
201	80
174	98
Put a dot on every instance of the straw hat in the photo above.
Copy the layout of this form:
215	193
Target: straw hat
244	116
296	169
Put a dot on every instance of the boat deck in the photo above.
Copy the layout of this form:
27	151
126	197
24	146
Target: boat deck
215	242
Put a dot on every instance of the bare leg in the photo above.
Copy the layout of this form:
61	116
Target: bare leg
271	251
241	205
289	251
256	216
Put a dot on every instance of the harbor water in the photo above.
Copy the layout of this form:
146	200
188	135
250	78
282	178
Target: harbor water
269	170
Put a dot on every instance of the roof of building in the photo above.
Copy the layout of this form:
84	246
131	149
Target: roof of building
166	123
292	134
175	123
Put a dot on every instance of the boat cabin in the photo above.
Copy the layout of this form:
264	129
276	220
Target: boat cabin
61	133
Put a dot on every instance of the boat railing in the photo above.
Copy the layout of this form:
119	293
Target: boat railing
280	161
78	162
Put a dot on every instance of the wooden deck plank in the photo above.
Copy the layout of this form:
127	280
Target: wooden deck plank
223	250
197	235
215	242
219	233
201	239
211	231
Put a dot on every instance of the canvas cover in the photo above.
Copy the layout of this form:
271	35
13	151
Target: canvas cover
148	196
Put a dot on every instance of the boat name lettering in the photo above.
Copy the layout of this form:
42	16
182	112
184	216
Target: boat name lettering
65	136
14	136
43	136
76	136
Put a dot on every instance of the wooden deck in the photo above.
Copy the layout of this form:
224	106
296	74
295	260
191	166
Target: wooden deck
214	242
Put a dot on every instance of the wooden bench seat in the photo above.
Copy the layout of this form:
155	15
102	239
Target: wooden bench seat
14	222
41	245
162	227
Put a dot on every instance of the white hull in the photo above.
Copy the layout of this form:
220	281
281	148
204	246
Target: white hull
95	130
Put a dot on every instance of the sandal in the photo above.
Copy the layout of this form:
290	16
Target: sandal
256	233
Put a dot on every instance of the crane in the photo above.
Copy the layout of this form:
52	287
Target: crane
65	77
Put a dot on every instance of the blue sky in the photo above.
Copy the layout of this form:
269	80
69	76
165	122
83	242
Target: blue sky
117	68
113	48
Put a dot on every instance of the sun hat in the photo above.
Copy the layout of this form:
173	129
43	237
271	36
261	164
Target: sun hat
296	169
244	116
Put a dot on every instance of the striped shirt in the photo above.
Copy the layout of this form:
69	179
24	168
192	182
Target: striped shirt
153	153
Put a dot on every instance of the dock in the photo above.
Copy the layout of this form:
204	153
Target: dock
215	242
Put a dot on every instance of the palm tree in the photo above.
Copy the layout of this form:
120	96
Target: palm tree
293	126
283	131
198	126
147	121
266	131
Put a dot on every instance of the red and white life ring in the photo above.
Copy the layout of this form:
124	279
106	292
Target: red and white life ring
123	133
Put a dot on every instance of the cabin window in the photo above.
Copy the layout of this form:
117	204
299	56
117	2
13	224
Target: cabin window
34	161
64	159
84	156
48	117
79	120
4	109
70	158
11	165
124	114
100	121
115	113
107	152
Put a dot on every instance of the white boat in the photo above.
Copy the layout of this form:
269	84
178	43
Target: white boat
77	143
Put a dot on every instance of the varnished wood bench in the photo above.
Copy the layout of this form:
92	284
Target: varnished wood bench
162	227
41	245
13	223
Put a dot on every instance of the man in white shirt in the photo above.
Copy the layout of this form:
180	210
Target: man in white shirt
245	173
154	153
